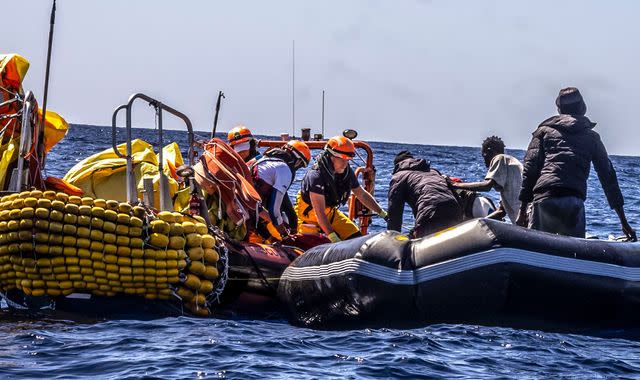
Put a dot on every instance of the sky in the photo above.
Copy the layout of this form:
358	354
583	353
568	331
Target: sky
431	72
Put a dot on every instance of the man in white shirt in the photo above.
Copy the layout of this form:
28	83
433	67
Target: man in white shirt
504	174
272	177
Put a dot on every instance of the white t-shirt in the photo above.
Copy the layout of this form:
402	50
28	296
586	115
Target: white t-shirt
506	172
276	173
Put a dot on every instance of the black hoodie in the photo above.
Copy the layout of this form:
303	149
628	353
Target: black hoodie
558	161
423	188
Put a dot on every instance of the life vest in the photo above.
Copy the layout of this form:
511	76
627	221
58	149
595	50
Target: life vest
222	171
337	186
275	154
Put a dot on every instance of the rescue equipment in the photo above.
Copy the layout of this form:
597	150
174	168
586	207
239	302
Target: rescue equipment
300	150
103	175
342	147
57	244
238	135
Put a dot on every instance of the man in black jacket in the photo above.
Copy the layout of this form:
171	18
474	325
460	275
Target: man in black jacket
556	169
426	191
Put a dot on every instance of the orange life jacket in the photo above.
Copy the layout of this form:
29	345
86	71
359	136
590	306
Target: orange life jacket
221	170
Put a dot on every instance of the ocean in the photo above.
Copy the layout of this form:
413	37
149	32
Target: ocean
254	349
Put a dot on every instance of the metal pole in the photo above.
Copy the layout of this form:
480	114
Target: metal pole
293	90
215	119
132	194
25	141
323	113
165	197
52	21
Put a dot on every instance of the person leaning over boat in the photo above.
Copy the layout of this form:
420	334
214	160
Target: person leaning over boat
432	202
326	187
556	169
242	141
504	174
272	175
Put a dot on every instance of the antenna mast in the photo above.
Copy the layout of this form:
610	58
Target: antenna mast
293	89
323	113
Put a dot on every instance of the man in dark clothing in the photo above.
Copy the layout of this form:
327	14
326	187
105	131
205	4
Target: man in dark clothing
556	169
426	191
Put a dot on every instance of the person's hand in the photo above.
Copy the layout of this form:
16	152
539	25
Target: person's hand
383	214
522	219
334	237
629	232
283	231
449	180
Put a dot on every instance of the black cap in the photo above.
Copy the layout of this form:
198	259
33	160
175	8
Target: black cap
570	102
402	156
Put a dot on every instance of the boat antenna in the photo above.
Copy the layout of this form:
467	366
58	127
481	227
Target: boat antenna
46	75
39	144
293	89
322	113
215	118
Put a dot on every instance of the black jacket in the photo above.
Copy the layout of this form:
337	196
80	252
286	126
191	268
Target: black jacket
423	188
558	161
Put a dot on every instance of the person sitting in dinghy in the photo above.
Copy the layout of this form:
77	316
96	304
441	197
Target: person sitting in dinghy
504	174
242	141
272	175
556	169
326	187
432	202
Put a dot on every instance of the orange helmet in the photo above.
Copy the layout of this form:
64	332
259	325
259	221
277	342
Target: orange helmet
238	135
300	150
341	146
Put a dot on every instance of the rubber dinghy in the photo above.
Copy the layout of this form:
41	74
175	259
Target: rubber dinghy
480	272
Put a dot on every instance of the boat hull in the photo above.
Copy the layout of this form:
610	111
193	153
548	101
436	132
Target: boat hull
481	272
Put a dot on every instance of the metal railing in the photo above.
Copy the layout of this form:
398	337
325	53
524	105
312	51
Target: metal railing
132	193
28	130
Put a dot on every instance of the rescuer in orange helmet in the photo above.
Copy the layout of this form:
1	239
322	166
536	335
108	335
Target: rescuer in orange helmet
242	141
326	187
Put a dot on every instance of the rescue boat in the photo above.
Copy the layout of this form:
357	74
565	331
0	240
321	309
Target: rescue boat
128	232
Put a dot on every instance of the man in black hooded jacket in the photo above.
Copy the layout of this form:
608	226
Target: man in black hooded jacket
426	191
556	169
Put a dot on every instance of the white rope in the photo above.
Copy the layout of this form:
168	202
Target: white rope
11	303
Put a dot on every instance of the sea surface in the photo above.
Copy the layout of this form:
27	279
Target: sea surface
254	349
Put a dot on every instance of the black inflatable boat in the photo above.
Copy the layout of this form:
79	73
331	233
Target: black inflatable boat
480	272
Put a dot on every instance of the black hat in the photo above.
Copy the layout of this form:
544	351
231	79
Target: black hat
402	156
570	102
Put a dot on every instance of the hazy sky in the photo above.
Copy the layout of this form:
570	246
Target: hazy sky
433	72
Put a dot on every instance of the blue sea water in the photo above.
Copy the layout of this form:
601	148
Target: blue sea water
242	348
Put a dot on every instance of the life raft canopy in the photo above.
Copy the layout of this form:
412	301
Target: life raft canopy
103	175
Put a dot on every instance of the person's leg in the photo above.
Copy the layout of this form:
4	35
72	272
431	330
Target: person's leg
342	225
443	217
561	215
307	221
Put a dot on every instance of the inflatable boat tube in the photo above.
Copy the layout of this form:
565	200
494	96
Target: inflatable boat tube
480	272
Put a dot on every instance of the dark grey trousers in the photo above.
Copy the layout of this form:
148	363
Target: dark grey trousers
561	215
